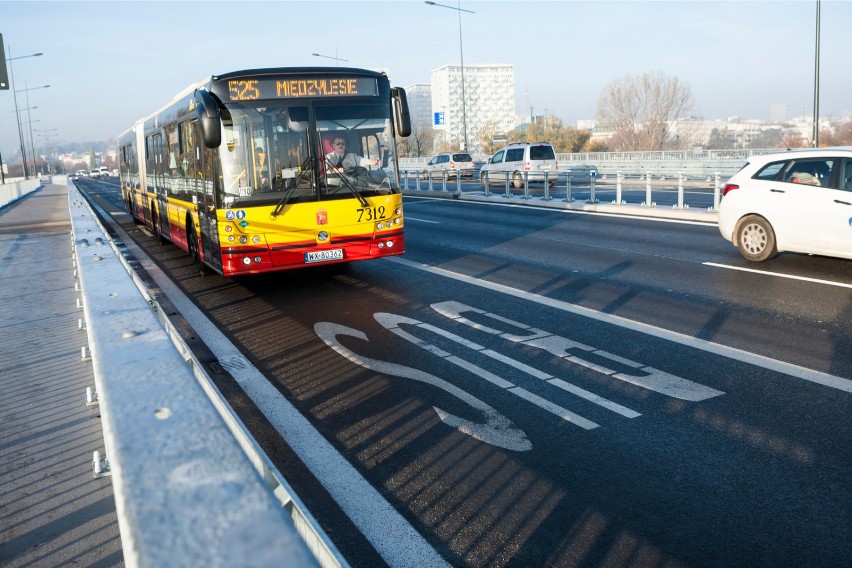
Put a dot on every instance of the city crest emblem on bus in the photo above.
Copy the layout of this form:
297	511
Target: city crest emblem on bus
322	217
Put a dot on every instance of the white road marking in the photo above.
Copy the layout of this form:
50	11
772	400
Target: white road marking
410	218
779	275
391	323
652	379
497	429
790	369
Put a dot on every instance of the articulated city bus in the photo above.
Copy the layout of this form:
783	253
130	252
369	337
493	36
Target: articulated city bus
239	169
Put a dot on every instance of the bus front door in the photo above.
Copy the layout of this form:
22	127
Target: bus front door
207	211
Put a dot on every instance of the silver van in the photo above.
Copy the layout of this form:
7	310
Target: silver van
533	159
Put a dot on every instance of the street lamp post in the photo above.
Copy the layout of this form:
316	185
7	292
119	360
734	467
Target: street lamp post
29	118
15	97
459	9
21	126
816	80
336	58
47	133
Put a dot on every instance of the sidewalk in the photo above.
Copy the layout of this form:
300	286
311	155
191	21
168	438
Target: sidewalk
53	512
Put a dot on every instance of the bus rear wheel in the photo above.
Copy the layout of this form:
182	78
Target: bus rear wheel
194	250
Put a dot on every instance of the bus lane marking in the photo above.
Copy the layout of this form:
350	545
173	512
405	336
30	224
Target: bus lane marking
391	323
653	379
719	349
497	429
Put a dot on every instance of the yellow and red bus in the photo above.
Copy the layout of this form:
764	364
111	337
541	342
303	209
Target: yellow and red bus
236	170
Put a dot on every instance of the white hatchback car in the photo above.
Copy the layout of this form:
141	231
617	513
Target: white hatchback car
797	201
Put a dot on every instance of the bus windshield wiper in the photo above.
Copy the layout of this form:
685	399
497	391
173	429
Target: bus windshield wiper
294	182
345	179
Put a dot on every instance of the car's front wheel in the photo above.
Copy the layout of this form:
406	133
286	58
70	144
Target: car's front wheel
756	239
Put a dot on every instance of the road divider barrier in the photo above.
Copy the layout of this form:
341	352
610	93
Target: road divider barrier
192	487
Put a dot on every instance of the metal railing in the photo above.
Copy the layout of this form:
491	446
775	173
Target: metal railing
549	186
192	487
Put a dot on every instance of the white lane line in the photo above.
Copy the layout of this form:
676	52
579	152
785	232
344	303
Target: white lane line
778	275
398	543
410	218
391	321
566	415
803	373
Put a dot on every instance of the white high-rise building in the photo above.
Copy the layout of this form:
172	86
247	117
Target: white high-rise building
420	104
489	96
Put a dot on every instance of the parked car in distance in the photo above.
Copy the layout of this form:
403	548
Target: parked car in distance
582	172
455	164
535	160
104	171
796	201
94	173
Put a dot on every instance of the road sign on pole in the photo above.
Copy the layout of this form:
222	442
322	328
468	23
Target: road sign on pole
439	119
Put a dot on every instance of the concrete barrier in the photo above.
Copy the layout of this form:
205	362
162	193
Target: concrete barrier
13	191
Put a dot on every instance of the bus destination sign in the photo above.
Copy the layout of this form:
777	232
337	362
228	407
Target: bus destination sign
256	89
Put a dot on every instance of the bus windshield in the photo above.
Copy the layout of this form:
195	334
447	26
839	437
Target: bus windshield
284	152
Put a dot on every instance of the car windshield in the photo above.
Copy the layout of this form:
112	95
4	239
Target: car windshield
462	158
278	153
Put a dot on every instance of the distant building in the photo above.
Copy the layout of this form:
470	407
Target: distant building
489	96
420	103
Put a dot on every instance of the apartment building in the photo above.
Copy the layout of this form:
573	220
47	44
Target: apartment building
489	101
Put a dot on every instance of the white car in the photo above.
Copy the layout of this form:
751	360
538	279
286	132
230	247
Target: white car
797	201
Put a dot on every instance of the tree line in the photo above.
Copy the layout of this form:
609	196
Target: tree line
640	113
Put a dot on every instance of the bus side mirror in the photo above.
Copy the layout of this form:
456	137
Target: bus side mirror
402	116
208	118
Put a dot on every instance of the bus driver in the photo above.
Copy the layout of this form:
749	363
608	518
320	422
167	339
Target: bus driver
339	159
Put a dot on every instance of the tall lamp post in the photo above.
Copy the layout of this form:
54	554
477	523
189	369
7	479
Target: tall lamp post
21	125
29	118
336	58
816	80
459	9
46	134
15	97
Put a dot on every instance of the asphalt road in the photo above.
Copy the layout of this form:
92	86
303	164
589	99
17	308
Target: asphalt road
531	387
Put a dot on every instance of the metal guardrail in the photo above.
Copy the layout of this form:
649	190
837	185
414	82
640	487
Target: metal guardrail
505	182
192	488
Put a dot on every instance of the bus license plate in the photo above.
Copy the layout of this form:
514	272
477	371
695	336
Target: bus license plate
323	255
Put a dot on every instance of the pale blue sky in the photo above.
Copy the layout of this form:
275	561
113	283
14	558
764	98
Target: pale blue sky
109	63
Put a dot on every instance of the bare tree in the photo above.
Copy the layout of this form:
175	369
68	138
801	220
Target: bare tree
641	107
420	141
492	137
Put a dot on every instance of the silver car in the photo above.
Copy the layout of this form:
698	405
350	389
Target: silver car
535	161
455	164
